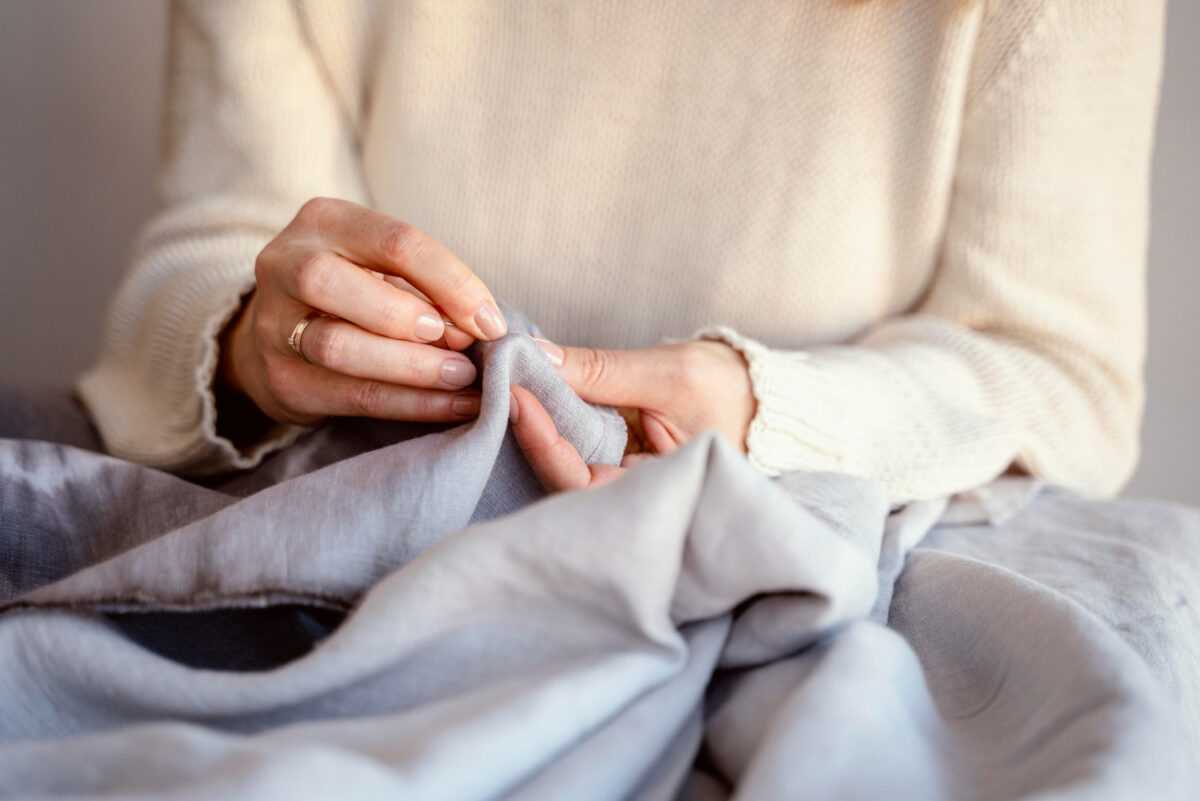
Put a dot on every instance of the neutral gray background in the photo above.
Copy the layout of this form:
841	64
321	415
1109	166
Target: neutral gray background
80	84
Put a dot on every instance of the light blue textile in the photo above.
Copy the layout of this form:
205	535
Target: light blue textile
692	631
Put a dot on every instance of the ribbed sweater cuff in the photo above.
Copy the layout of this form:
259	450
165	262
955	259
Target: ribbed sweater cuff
158	408
787	434
223	455
854	410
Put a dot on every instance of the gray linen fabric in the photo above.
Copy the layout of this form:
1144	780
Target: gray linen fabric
427	625
289	540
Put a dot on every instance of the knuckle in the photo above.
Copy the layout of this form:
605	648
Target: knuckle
317	213
427	405
316	276
263	263
370	399
277	380
275	259
331	346
545	449
419	369
403	243
594	366
461	283
393	320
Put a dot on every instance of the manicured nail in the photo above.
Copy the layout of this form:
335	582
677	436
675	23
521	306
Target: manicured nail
488	318
428	328
465	405
458	372
553	352
514	409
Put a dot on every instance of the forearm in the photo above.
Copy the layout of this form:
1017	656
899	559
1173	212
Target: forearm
1028	345
928	408
236	164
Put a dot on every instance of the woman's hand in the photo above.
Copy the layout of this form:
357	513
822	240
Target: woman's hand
554	460
668	394
379	352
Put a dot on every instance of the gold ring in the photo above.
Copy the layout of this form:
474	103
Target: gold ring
298	331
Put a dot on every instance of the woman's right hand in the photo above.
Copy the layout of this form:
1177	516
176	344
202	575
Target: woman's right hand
379	353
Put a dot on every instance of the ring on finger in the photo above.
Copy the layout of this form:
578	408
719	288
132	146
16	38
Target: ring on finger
298	332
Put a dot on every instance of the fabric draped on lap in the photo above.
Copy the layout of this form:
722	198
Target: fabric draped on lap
45	414
389	610
316	525
319	523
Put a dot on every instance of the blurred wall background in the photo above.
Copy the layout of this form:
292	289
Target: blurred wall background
80	86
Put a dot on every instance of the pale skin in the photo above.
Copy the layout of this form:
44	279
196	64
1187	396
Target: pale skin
386	352
669	394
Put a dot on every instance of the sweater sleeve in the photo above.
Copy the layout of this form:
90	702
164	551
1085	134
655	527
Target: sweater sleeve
253	126
1028	347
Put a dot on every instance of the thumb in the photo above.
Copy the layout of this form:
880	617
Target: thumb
614	377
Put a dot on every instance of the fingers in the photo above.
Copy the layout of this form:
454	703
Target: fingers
605	474
554	460
326	393
634	459
381	242
667	394
617	377
347	349
454	337
326	281
658	436
647	434
398	307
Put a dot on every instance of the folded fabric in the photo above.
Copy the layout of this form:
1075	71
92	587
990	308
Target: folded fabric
388	610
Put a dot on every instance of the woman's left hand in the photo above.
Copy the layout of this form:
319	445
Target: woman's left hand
668	394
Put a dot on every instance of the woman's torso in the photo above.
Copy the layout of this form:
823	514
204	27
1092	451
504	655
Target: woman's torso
627	172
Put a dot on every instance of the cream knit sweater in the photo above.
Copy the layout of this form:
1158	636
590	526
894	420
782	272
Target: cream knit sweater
924	228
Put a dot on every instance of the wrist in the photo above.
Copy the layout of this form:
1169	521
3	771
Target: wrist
725	381
239	418
741	401
232	348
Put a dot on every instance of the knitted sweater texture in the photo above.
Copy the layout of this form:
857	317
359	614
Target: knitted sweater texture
922	223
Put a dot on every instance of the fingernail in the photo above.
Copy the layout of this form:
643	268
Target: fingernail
465	405
458	372
428	328
514	409
488	318
553	352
